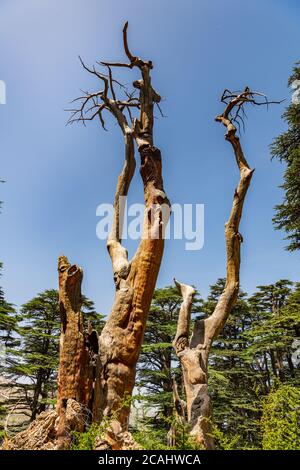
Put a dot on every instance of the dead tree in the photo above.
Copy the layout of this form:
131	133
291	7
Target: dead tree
179	416
52	429
135	279
193	352
95	379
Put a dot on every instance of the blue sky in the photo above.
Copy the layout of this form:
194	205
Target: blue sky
56	176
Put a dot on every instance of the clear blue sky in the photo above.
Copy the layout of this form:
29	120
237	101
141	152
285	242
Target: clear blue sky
56	175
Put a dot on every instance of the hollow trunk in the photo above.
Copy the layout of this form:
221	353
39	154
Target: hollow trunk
52	430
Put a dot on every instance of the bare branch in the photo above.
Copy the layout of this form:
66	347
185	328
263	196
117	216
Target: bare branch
117	64
99	75
125	42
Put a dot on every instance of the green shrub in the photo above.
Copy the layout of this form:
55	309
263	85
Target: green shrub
281	419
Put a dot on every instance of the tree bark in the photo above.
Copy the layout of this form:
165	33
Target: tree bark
121	339
193	353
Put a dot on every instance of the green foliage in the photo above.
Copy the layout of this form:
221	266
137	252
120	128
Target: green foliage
252	353
280	422
226	441
275	325
8	321
86	440
286	147
151	438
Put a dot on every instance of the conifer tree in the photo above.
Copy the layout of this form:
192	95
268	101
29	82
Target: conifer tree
233	381
272	333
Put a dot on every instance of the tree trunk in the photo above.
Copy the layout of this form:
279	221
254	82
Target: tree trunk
193	353
52	430
121	339
290	364
279	363
180	418
193	358
273	362
75	375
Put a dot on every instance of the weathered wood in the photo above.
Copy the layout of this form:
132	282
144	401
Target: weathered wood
135	279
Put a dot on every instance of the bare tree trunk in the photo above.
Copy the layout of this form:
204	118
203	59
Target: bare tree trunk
193	353
290	363
75	375
122	336
273	362
279	363
36	394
